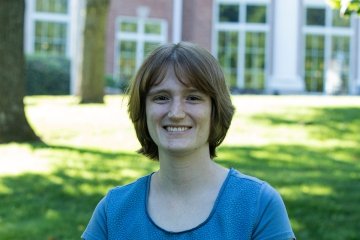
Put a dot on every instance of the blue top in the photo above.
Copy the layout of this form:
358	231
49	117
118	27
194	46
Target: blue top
246	208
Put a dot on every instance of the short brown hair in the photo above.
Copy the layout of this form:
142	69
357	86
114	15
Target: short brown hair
199	68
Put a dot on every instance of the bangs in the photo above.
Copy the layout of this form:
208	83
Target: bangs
154	75
190	68
192	73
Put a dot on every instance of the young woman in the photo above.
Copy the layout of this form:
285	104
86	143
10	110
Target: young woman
181	110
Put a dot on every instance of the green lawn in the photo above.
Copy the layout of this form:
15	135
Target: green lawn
307	147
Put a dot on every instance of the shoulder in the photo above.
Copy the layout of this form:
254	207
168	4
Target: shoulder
258	190
268	212
250	183
121	194
120	203
243	177
245	192
250	194
138	183
121	199
127	191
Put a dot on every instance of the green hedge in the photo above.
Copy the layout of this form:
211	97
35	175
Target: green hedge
47	75
117	84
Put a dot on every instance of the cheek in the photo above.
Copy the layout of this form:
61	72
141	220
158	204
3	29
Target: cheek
149	111
153	119
152	114
209	121
206	121
208	127
148	118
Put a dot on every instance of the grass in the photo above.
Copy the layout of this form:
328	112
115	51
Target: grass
306	147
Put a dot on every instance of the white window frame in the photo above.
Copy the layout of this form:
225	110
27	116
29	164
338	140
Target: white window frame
242	28
140	37
33	16
328	31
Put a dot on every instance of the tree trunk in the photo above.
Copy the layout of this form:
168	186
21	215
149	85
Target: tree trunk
93	70
13	123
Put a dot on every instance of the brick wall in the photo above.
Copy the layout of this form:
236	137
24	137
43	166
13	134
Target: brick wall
157	9
197	22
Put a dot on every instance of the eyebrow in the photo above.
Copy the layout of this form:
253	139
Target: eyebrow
154	91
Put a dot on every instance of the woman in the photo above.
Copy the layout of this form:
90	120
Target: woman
181	110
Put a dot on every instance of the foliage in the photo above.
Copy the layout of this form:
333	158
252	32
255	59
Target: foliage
114	83
346	7
306	147
47	75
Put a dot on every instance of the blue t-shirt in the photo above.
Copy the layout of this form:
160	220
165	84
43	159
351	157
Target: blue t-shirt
246	208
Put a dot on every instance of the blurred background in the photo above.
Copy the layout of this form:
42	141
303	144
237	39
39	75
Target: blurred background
263	46
293	68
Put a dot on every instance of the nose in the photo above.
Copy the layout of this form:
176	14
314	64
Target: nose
176	110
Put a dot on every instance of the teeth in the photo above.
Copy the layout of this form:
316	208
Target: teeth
176	129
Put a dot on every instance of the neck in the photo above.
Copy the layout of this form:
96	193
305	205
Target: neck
187	173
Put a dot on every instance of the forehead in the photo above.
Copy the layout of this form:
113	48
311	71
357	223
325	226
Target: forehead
172	84
171	79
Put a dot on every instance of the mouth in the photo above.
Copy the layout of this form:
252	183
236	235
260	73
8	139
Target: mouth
176	128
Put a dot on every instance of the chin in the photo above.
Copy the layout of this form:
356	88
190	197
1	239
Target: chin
178	149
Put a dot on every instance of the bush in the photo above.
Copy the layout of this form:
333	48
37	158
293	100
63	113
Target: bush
113	83
47	75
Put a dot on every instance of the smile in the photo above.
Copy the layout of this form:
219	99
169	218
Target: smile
176	129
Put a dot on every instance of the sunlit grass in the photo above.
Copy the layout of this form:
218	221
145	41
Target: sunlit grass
306	147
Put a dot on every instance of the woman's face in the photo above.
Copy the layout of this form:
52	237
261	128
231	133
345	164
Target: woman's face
178	116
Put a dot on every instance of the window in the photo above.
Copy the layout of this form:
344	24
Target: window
52	6
127	60
136	38
49	25
327	51
229	13
315	17
50	38
340	61
228	54
128	26
153	28
338	21
255	60
255	14
241	42
314	62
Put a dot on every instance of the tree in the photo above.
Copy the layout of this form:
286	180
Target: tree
346	7
13	123
93	66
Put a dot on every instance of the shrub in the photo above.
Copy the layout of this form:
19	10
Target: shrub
47	75
114	83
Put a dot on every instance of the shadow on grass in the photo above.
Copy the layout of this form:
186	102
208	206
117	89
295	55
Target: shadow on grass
320	191
319	187
58	204
320	184
322	123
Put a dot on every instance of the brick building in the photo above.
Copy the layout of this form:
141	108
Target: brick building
264	46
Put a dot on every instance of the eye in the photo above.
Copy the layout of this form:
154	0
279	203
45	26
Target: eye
160	98
194	98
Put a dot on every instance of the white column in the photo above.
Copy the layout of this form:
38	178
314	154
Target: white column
77	23
72	42
177	20
29	33
285	76
356	88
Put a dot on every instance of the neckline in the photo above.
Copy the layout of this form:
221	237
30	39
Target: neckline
213	210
